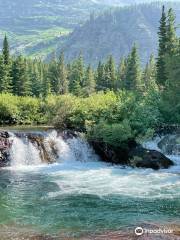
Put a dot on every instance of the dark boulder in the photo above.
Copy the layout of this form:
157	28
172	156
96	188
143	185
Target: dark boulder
131	154
143	158
109	154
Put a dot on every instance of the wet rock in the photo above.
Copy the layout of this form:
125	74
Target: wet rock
131	154
47	151
110	154
143	158
5	145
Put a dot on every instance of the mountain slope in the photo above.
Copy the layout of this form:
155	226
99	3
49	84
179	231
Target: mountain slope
115	32
34	27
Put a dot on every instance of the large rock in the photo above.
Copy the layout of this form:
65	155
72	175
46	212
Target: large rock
143	158
132	154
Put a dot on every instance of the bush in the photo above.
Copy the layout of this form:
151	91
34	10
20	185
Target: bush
113	134
21	110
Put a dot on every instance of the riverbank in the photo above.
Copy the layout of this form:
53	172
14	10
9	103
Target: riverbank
14	233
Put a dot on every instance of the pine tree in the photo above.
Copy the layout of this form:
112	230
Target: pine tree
62	81
121	74
3	87
6	51
46	85
172	41
21	84
35	80
110	74
6	65
100	77
133	74
77	76
171	97
90	84
149	75
161	61
53	76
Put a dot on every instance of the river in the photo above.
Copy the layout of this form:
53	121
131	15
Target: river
79	195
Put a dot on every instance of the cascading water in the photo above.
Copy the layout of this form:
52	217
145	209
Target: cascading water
28	150
23	152
78	194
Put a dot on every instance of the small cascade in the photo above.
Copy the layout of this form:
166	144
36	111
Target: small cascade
47	148
23	152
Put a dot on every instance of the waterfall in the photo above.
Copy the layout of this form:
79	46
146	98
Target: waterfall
23	152
35	149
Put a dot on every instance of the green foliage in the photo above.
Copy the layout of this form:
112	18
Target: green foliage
113	134
133	72
21	110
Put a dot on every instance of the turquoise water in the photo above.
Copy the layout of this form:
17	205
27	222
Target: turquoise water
49	201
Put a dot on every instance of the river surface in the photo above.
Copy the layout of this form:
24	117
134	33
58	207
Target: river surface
79	195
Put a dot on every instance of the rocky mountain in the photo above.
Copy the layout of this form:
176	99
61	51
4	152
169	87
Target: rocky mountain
115	31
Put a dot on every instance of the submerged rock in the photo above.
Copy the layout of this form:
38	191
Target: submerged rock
132	154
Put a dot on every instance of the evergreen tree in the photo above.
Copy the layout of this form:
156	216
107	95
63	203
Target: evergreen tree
5	51
6	67
172	42
62	81
21	84
171	97
121	74
100	77
53	76
46	85
3	82
90	84
77	76
149	75
110	74
133	74
161	62
36	85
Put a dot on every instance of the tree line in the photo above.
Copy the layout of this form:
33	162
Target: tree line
26	77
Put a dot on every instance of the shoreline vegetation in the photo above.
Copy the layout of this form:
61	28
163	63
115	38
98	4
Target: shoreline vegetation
110	104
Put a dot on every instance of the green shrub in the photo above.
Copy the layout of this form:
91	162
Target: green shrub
113	134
